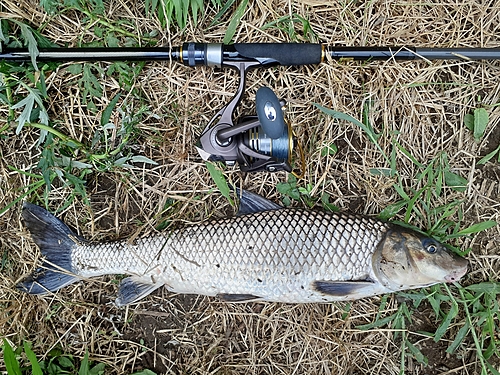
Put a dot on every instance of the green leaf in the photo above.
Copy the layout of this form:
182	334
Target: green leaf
142	159
344	116
31	41
325	200
144	372
486	287
75	69
447	321
223	11
290	189
220	181
329	150
480	122
416	353
35	366
112	41
235	21
50	6
486	158
459	338
84	366
97	369
91	85
479	227
10	360
372	136
377	323
391	210
28	103
106	114
493	370
455	181
469	121
382	172
408	155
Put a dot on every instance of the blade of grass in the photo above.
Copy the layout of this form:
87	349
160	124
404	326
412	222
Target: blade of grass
35	366
447	321
106	114
223	11
372	136
220	181
235	21
473	331
11	362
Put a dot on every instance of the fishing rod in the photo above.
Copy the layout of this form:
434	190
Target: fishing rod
263	141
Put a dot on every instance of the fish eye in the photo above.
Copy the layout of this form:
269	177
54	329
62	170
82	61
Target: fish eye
430	245
431	249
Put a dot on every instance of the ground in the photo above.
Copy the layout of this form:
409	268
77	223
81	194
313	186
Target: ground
415	108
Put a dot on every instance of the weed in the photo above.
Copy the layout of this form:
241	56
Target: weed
65	159
287	25
292	191
92	13
56	362
330	149
477	122
220	181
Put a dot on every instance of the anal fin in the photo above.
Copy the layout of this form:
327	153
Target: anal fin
237	297
346	289
134	288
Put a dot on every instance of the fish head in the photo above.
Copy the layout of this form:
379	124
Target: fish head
406	259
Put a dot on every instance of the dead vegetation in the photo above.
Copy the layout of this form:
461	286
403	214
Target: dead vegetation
419	104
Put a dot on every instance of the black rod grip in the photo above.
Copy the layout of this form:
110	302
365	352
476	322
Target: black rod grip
281	53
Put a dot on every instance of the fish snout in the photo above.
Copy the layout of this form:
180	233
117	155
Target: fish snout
457	274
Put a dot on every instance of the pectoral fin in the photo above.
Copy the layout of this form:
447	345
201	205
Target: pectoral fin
344	288
134	288
252	203
237	297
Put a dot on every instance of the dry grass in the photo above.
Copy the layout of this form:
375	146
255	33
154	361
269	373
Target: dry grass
423	102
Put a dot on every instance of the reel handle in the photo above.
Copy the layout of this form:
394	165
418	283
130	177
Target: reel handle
269	113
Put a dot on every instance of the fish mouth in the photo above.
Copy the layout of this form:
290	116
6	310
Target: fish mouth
455	275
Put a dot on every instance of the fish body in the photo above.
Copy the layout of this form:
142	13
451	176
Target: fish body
265	253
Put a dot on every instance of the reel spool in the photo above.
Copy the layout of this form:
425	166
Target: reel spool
264	142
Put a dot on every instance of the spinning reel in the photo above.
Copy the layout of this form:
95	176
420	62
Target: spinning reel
261	142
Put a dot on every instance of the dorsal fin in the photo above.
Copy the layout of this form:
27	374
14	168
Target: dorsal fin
252	203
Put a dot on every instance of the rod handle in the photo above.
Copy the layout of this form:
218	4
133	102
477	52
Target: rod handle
285	54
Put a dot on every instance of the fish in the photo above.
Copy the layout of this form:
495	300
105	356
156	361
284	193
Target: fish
263	253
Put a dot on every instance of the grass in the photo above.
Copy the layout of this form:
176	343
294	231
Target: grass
479	301
57	363
109	147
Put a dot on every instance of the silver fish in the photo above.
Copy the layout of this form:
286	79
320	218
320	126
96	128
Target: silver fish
265	253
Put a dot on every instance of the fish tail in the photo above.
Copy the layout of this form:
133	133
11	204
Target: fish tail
56	242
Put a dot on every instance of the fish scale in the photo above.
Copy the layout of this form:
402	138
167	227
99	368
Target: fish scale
272	254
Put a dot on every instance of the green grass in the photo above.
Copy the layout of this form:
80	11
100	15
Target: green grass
56	362
64	160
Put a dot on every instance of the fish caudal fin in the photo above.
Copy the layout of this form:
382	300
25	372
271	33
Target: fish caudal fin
55	241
